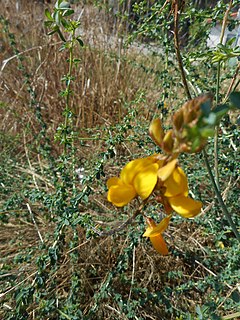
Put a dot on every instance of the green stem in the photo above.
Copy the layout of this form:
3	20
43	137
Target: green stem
219	197
216	130
68	94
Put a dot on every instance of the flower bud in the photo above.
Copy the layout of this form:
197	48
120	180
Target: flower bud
156	131
168	141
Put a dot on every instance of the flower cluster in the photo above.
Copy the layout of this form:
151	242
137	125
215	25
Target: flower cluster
159	176
154	176
191	127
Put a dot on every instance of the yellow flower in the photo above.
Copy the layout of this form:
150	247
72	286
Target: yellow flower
154	232
138	178
141	177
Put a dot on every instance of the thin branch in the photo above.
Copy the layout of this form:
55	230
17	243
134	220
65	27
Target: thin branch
177	49
34	221
17	285
219	197
224	24
231	316
4	62
232	82
120	227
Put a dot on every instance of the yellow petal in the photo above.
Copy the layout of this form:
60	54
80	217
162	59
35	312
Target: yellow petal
165	172
176	184
156	131
113	181
186	207
153	231
159	244
145	181
120	195
133	167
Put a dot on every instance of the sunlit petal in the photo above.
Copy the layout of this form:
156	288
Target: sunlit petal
130	170
113	181
159	244
145	181
186	207
153	231
156	131
165	172
133	167
176	184
121	195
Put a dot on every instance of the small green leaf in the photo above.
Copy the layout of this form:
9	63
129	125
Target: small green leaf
61	35
206	107
231	41
235	99
68	12
196	143
55	29
64	5
220	111
48	24
236	296
56	16
80	42
65	23
48	15
223	108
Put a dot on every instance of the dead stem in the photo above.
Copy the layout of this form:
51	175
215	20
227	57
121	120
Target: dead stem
177	49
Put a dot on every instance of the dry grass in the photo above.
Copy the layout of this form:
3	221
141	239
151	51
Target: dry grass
106	77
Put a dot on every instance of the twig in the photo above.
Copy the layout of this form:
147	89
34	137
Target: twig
112	309
208	270
211	272
4	63
38	176
114	230
17	285
79	246
177	49
118	228
236	85
224	24
232	82
226	297
34	221
232	316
